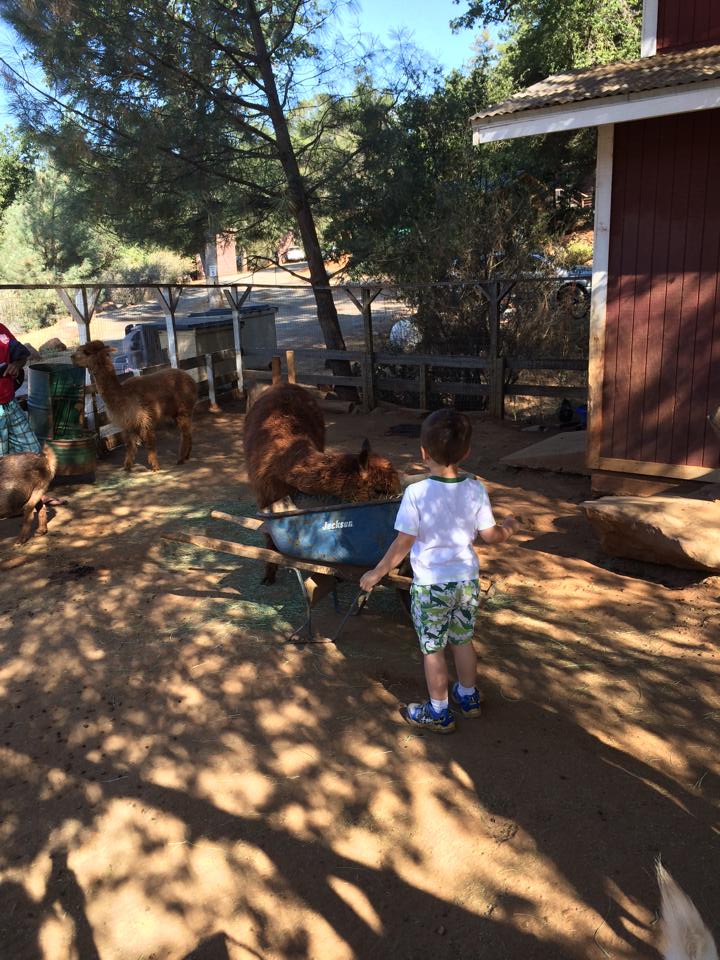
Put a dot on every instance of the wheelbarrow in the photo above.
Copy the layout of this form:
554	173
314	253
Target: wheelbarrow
324	546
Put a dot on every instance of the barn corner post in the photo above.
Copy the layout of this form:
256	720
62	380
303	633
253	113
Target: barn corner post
81	308
236	301
599	289
169	297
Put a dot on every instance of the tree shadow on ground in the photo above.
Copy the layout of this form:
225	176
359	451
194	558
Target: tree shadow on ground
172	778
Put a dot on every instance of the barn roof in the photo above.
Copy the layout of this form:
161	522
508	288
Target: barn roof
629	90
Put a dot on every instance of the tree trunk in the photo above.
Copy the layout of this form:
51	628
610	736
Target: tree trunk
327	313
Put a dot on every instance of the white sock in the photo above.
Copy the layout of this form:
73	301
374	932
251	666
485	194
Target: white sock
439	705
465	691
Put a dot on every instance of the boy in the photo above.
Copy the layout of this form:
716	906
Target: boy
438	520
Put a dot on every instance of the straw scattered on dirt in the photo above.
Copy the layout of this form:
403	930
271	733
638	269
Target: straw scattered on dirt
177	782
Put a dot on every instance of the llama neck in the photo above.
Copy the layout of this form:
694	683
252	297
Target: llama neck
330	473
107	382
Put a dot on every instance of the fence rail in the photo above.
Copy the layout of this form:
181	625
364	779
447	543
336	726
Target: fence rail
483	371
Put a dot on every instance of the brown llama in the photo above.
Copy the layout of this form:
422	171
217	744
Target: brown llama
139	404
24	480
285	452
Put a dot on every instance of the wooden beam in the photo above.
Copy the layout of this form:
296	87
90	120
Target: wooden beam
272	556
673	471
249	523
598	298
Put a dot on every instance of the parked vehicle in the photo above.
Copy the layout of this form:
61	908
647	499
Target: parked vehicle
294	255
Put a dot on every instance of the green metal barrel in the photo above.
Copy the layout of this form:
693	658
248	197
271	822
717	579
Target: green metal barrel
56	397
76	455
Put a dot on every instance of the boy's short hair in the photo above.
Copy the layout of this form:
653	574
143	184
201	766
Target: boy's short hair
445	436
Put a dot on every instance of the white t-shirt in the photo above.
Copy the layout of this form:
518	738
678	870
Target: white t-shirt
444	515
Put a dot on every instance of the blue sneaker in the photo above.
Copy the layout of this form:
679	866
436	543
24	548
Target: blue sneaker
471	705
423	716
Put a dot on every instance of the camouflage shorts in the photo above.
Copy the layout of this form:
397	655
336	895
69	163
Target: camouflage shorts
444	613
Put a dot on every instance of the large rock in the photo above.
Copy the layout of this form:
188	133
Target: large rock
671	530
54	345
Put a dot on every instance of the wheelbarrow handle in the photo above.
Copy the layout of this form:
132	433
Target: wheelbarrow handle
358	603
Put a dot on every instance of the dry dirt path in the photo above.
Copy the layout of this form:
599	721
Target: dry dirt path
178	783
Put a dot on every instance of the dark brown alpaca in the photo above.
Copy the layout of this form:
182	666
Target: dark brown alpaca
139	404
285	452
24	480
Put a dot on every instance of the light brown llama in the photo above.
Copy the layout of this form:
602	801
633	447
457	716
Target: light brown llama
285	452
139	404
24	480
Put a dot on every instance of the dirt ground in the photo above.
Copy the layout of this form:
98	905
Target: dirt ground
177	782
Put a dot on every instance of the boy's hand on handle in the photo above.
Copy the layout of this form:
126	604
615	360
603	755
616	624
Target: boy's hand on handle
370	580
510	525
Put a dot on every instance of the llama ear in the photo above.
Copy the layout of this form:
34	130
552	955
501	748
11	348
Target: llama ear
111	349
364	458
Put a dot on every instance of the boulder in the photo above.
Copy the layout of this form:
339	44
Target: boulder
676	531
54	345
34	354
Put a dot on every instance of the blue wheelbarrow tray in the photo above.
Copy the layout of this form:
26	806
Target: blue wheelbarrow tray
352	534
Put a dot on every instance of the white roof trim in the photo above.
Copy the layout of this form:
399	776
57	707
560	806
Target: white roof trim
648	40
595	113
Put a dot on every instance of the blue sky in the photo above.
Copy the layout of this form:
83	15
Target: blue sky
426	20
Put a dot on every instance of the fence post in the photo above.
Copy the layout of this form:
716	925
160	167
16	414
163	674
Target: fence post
210	370
424	375
497	387
369	360
236	301
81	310
290	363
276	364
169	298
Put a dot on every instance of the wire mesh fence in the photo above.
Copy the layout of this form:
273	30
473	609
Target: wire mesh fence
518	341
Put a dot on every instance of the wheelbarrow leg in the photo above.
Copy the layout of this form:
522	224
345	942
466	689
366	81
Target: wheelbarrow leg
305	633
307	626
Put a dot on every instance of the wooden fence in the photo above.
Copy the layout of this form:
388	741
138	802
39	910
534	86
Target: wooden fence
372	379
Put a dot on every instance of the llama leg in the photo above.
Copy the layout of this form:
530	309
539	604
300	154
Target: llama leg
131	442
270	568
151	447
24	534
42	519
34	503
184	423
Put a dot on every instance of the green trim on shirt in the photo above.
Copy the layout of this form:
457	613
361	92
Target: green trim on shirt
449	479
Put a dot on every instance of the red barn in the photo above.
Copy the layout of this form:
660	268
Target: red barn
654	373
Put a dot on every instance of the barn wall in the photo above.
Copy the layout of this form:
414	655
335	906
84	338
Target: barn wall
687	23
662	328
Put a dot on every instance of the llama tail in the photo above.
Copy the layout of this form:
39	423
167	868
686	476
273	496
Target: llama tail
684	935
50	459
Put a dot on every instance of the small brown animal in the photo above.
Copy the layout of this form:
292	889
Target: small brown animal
285	452
24	480
684	935
139	404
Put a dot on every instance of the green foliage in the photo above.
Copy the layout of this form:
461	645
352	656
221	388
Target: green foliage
49	236
543	37
16	167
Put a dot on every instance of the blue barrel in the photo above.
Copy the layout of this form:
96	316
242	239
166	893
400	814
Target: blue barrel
56	399
357	534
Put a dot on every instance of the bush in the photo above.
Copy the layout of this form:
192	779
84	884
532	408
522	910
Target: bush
135	265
